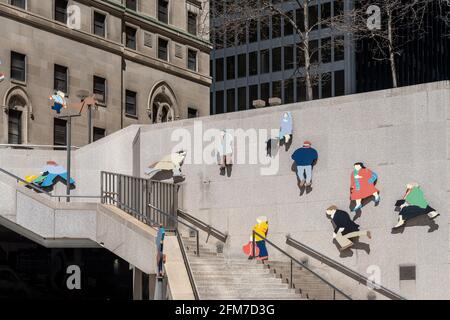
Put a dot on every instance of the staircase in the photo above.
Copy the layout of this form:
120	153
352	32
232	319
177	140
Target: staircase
218	278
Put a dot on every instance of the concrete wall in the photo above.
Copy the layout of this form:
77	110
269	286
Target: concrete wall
401	134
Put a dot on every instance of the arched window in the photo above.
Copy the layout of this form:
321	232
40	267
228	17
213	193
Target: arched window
162	104
17	109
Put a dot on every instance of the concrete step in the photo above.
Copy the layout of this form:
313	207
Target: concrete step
260	296
245	290
220	267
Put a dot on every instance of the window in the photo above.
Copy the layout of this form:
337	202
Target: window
19	3
231	63
242	65
289	57
339	83
59	132
339	48
98	133
100	89
325	15
130	34
338	7
14	126
276	26
265	61
60	78
230	37
288	28
300	19
242	98
163	53
61	10
18	66
219	69
219	102
289	91
253	31
242	34
163	11
131	4
231	93
253	63
130	103
265	92
276	89
326	50
99	24
192	113
192	23
313	51
326	85
252	95
265	28
276	59
313	17
192	60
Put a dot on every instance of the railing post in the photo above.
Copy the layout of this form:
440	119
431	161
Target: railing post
101	186
291	276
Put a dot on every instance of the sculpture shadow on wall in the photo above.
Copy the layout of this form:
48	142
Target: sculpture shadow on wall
165	175
420	221
287	145
357	245
227	170
272	147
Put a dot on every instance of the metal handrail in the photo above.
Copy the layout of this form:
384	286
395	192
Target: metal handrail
342	269
292	259
188	267
203	226
33	186
183	223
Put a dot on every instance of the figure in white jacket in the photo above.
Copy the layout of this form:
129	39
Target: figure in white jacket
225	149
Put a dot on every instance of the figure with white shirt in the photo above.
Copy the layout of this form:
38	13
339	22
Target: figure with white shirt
345	228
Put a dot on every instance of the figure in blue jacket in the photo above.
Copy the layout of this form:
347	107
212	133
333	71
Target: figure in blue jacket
305	157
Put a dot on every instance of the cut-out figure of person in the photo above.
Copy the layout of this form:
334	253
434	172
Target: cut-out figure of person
261	228
345	228
171	163
413	205
225	150
59	101
305	157
363	185
160	251
285	128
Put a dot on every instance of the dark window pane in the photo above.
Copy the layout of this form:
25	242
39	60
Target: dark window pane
276	26
288	28
192	23
253	31
230	37
289	91
276	59
300	19
100	88
60	78
326	50
162	49
231	64
192	60
19	3
219	102
252	95
326	85
339	48
163	11
130	37
61	10
131	4
242	65
242	34
265	28
242	98
99	24
98	133
14	126
276	89
265	92
130	103
219	69
230	100
313	17
288	57
59	132
253	63
300	57
265	61
338	7
18	66
313	51
325	15
339	83
301	90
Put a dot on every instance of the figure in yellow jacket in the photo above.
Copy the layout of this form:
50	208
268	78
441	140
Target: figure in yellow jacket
261	228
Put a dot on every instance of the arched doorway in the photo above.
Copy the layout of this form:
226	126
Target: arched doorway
17	108
163	106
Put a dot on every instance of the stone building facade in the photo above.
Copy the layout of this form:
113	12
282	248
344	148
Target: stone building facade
147	60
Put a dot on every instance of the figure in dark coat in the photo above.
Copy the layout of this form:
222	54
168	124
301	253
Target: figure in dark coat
344	228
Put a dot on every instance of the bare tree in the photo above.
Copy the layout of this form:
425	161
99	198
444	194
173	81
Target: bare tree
230	21
387	24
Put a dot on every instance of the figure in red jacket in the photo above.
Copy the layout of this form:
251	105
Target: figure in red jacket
363	185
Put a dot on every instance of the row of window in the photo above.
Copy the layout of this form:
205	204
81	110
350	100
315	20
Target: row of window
275	26
277	59
99	27
289	91
61	82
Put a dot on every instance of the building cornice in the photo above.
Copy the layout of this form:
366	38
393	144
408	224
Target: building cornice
62	30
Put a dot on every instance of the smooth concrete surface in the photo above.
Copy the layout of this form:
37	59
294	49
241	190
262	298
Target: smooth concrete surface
178	280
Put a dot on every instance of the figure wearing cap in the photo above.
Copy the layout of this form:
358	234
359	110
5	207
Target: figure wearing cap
305	158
